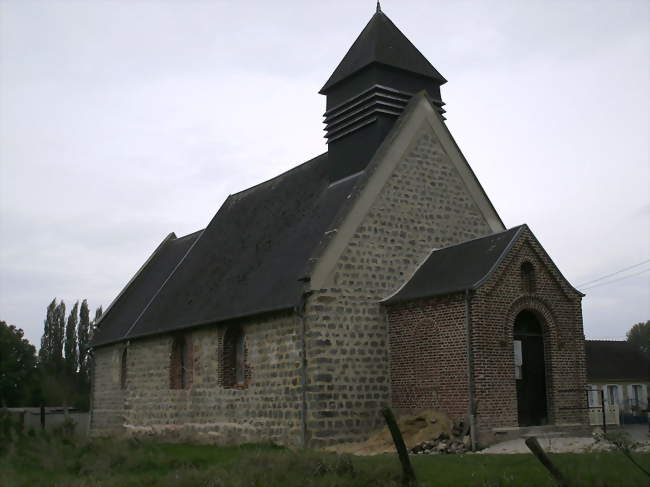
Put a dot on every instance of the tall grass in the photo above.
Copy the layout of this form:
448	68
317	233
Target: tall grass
60	459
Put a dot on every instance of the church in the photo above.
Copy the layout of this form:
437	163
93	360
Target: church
377	273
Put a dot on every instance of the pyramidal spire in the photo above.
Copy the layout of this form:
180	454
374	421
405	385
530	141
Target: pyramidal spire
369	90
381	42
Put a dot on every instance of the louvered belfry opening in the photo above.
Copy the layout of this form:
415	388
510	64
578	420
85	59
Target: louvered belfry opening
369	90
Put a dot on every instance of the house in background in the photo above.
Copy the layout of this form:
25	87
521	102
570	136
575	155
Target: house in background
622	373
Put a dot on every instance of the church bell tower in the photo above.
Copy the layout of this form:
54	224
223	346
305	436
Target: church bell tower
369	90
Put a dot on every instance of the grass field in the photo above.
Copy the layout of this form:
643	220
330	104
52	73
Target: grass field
66	461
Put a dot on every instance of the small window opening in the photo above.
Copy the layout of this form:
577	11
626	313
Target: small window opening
240	375
179	372
234	358
123	370
528	277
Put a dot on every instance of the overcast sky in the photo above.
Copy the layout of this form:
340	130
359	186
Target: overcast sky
123	121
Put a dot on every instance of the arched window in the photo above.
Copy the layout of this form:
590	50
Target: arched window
180	370
528	277
123	366
234	358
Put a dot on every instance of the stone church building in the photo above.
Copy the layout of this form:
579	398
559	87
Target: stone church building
377	273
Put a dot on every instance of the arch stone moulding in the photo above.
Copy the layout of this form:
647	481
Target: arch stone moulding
541	309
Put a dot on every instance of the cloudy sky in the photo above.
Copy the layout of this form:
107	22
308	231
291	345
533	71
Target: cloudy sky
121	121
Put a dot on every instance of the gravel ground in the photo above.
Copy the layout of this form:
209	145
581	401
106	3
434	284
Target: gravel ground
564	444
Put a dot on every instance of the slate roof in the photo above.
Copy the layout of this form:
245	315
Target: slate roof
383	43
121	314
248	260
458	267
609	360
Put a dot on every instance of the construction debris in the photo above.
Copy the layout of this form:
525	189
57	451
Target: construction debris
427	432
442	445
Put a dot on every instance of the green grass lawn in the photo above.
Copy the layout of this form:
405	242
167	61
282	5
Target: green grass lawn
60	461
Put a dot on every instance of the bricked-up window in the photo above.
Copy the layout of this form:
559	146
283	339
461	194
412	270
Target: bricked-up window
234	358
180	367
123	368
528	277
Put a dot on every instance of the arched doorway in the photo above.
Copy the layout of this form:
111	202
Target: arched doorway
530	370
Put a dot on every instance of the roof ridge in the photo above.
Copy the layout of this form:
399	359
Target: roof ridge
255	186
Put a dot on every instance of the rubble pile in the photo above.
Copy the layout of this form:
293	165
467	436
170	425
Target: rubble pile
422	431
458	442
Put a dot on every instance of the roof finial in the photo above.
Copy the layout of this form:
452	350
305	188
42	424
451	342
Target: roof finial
378	6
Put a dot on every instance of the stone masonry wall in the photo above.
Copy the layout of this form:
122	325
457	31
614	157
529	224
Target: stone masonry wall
107	416
558	308
428	355
266	408
423	205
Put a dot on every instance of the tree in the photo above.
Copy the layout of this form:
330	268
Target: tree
98	314
83	337
45	353
71	356
64	358
58	336
17	367
639	336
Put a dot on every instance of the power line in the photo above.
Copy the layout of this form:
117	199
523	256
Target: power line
616	280
614	273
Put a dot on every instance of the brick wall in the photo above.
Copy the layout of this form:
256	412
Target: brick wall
423	205
428	345
267	409
558	308
428	355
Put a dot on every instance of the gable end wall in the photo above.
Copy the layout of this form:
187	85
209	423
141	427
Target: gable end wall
423	205
558	307
428	346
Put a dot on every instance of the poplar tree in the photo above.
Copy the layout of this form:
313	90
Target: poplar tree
45	353
98	314
70	348
83	337
58	336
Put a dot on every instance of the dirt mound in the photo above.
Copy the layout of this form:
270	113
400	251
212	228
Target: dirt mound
425	425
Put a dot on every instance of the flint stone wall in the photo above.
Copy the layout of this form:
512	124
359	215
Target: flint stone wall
266	408
107	407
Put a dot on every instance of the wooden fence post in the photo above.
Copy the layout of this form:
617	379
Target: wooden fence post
541	455
602	405
408	474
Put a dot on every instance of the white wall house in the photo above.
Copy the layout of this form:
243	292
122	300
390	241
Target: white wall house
619	373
